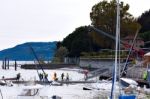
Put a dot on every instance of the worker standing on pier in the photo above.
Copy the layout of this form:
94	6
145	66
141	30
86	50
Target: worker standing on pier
85	74
67	77
18	76
41	76
62	76
45	77
55	76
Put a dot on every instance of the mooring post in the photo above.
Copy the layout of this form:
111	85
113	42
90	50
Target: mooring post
5	64
15	65
8	64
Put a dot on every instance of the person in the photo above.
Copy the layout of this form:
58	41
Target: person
18	76
85	74
55	76
67	77
45	77
62	76
145	75
41	76
3	78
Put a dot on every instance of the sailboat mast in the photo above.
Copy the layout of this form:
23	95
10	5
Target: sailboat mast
116	50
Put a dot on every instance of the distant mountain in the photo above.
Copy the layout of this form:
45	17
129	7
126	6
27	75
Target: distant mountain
43	50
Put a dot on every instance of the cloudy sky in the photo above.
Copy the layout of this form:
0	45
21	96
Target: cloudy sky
48	20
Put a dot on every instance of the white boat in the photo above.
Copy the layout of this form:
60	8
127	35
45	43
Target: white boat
125	82
2	82
31	92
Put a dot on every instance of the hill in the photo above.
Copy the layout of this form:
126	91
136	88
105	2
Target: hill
22	52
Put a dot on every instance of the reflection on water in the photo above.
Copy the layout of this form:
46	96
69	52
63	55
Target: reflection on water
12	63
19	63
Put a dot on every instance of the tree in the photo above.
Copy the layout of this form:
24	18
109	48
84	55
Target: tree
144	21
146	37
61	53
103	17
79	41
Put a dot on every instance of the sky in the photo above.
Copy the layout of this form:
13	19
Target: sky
48	20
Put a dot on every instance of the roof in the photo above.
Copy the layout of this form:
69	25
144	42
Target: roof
147	54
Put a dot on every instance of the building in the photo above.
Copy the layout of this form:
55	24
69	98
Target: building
129	40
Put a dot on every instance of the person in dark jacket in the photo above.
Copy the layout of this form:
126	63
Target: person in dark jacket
62	76
18	76
41	76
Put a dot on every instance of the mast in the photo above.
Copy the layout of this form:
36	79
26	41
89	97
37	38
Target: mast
116	52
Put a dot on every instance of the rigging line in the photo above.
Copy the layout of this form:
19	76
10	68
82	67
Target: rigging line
37	69
36	58
38	61
125	66
119	43
36	65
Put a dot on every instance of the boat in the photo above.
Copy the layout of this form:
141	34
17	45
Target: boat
2	82
6	83
31	92
125	82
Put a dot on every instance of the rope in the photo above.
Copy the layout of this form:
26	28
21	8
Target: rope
36	58
125	66
38	62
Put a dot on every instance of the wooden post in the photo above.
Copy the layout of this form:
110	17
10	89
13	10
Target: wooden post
15	65
5	63
8	64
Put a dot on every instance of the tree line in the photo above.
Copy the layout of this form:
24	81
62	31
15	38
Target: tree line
103	17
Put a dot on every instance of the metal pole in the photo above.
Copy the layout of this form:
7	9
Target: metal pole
116	54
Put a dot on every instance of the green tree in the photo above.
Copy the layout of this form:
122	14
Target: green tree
79	41
144	21
61	53
103	17
146	37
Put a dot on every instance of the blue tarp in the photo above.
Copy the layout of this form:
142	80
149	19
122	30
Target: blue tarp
127	97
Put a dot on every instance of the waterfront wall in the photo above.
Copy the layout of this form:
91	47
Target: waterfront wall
46	66
96	63
135	72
